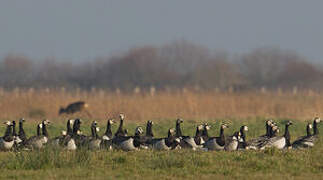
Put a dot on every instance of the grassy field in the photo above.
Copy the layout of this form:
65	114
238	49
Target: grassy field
178	164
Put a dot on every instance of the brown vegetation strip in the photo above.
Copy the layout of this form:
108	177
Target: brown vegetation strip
141	107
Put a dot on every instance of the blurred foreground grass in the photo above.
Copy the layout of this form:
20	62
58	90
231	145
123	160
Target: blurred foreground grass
178	164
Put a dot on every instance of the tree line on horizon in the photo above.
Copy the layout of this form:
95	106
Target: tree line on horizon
177	64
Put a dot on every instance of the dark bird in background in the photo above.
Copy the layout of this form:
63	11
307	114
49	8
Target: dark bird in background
74	108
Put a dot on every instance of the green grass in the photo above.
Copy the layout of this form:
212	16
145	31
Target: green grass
179	164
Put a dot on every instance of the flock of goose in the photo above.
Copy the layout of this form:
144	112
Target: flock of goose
73	138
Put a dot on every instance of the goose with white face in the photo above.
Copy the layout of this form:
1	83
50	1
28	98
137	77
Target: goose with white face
200	127
207	126
111	121
8	123
46	122
310	126
71	122
317	119
121	116
139	130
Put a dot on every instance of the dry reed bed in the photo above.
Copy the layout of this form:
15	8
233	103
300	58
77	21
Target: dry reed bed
162	105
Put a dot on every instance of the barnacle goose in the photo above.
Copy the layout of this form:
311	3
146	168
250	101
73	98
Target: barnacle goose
17	140
38	142
243	143
186	141
106	142
59	140
94	141
120	131
232	142
279	142
198	135
217	143
128	143
309	139
108	132
21	131
205	134
73	141
149	132
271	129
169	143
7	141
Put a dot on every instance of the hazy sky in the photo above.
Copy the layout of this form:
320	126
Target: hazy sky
83	29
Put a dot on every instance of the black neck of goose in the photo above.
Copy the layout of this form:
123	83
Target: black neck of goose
287	135
205	132
268	130
243	134
178	130
222	134
93	130
76	127
316	131
137	134
21	132
198	133
69	129
121	123
108	131
8	131
120	129
45	133
149	130
271	131
169	140
38	130
14	128
308	131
